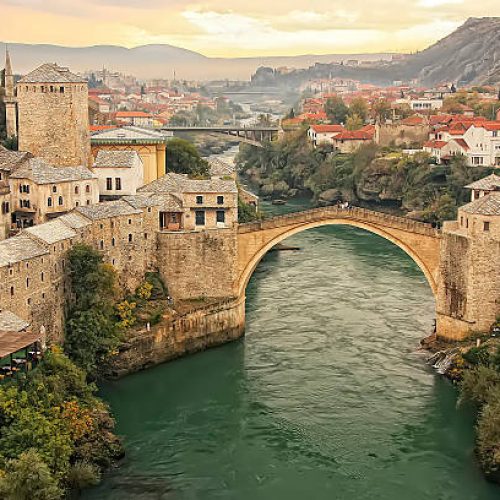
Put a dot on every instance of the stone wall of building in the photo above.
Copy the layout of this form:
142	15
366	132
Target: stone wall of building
397	134
199	264
53	122
469	292
176	336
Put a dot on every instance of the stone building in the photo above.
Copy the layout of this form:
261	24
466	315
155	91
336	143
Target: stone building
484	186
151	146
206	204
120	173
41	192
5	206
470	275
53	116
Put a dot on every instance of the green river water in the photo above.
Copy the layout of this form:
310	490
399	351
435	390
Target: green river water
327	396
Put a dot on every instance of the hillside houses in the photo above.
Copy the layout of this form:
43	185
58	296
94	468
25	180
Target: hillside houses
476	139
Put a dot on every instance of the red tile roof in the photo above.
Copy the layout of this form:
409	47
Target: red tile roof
435	144
462	144
324	129
413	120
132	114
353	135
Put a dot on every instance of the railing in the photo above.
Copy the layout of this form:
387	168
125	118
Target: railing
352	213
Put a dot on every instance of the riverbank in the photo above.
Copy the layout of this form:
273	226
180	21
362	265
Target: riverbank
474	366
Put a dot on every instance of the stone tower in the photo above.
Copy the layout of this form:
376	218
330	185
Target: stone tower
53	116
10	98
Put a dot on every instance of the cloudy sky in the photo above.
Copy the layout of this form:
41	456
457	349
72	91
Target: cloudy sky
241	27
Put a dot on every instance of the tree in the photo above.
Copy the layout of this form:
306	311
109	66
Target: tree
184	158
354	122
91	332
359	107
382	110
29	478
336	110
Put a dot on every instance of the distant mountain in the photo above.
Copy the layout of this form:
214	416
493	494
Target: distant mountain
469	55
160	61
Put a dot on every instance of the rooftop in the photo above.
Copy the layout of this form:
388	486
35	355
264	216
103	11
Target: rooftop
52	231
181	183
166	202
19	248
74	220
220	168
486	205
129	134
107	209
10	322
489	183
116	159
10	160
52	73
40	172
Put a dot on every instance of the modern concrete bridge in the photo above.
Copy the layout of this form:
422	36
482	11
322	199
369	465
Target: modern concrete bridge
254	135
420	241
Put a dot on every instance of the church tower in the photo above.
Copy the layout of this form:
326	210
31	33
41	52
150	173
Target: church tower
10	98
53	116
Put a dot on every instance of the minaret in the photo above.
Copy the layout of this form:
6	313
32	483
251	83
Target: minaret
10	98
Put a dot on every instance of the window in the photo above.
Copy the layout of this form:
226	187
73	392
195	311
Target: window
77	190
5	207
461	221
118	183
220	200
41	276
60	200
27	282
200	217
49	201
112	242
130	238
61	90
199	200
109	184
87	188
12	291
88	202
221	216
486	226
101	245
54	189
130	221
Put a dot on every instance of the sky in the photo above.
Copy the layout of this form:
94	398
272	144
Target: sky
241	27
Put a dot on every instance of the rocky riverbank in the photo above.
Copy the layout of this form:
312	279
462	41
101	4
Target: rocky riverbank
474	366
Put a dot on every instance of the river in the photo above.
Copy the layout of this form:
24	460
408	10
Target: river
327	396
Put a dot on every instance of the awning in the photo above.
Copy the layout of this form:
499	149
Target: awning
11	342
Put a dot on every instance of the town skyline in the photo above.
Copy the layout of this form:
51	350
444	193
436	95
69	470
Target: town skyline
262	29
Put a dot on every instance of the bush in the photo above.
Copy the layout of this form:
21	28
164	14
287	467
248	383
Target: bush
159	290
477	356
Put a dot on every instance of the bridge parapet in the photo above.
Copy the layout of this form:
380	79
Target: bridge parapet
351	213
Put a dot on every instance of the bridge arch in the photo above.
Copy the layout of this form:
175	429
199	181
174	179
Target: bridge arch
422	248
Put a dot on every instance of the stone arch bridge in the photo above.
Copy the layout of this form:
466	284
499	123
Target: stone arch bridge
420	241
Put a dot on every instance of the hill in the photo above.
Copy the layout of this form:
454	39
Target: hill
469	55
160	61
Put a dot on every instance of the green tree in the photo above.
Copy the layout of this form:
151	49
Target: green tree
382	110
29	478
184	158
91	332
336	110
354	122
359	107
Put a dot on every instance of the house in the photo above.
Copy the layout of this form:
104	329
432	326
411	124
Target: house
119	173
323	134
194	205
41	192
350	140
422	104
135	118
151	146
484	186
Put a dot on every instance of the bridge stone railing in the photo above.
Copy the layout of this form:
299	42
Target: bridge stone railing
351	213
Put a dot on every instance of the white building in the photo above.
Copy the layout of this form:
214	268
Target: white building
323	134
119	173
422	104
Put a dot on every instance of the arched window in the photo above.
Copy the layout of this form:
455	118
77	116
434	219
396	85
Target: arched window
54	189
49	201
87	188
60	200
77	189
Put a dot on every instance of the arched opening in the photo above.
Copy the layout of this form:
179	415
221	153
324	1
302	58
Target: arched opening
252	264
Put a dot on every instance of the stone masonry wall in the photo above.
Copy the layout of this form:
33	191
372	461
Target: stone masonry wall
397	134
54	124
200	264
177	336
